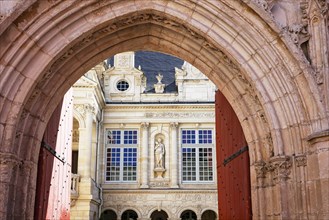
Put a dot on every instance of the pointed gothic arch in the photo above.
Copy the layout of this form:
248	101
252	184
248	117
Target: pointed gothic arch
237	45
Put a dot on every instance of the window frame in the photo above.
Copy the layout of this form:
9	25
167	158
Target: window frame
117	86
197	146
122	146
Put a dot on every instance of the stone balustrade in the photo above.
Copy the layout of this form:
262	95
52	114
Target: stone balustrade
75	186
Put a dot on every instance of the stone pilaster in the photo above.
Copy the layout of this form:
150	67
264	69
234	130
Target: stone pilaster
85	143
145	155
174	155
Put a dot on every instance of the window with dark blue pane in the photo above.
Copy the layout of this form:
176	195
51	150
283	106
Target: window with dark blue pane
188	137
121	155
130	137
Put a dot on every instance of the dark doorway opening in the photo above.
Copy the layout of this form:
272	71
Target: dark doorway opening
129	215
109	215
159	215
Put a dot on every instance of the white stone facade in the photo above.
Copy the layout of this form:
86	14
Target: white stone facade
155	117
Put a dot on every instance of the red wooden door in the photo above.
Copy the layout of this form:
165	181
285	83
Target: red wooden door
45	166
233	175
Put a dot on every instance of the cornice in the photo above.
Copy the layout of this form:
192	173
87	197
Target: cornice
152	191
175	106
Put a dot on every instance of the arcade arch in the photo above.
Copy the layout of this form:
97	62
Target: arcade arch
237	45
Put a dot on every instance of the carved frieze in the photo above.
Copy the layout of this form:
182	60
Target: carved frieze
180	115
84	108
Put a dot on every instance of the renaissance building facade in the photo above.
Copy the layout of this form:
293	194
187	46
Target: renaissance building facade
152	151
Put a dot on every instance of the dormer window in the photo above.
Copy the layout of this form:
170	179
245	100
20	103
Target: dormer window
122	85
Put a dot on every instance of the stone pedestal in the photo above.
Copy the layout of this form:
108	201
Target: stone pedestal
159	171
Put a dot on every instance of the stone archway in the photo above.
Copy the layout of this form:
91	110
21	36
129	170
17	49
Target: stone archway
48	46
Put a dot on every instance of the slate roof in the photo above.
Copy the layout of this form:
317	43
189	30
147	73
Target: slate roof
153	63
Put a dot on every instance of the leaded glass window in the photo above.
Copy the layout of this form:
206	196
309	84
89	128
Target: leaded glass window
197	155
121	155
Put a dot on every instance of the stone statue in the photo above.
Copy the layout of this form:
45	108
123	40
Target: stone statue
159	153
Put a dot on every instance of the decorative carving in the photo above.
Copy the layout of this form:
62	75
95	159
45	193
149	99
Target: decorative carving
281	168
123	61
84	108
324	5
9	160
261	169
160	184
179	115
263	4
303	7
298	33
174	124
145	125
300	160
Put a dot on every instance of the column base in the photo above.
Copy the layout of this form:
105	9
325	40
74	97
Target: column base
145	186
174	186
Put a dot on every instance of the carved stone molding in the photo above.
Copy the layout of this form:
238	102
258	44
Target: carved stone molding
300	160
280	166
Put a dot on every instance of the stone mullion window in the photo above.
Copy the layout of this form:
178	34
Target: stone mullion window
121	156
197	155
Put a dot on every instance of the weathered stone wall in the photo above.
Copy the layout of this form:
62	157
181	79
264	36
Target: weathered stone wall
276	79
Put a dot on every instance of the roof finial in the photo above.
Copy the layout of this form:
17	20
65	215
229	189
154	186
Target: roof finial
159	78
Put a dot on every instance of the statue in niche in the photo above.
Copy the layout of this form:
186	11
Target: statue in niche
159	153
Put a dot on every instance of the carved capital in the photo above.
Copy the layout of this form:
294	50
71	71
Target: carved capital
173	124
145	125
89	108
83	109
281	168
301	160
9	160
261	169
